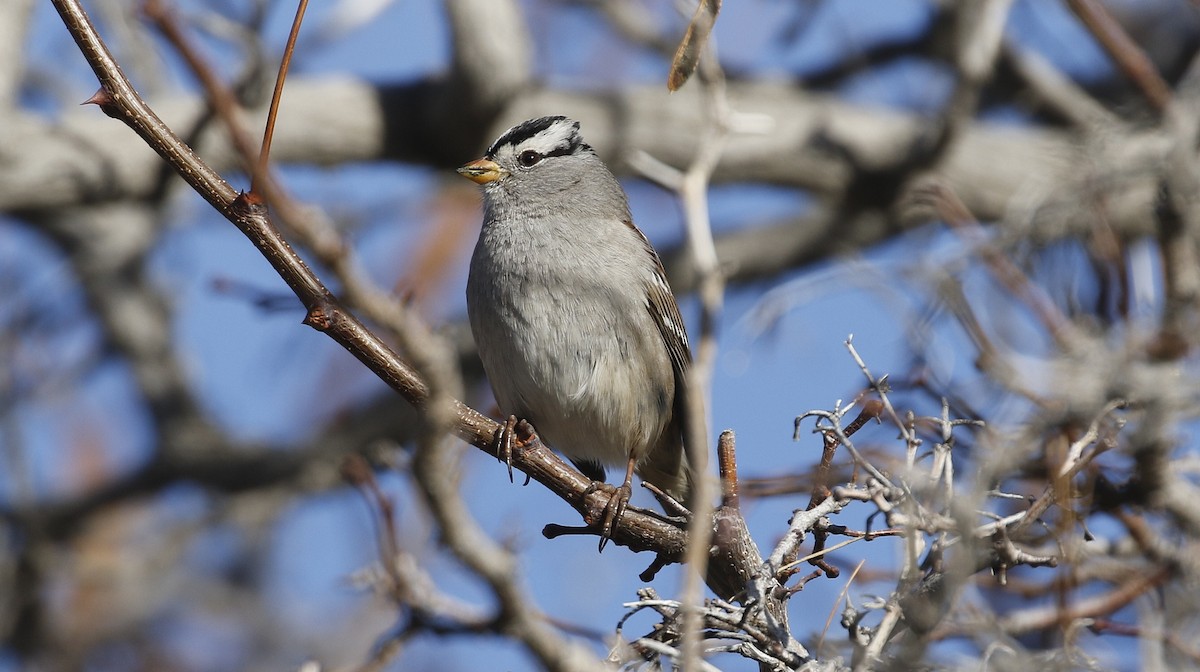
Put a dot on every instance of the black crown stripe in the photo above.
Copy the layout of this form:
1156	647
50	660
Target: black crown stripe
526	130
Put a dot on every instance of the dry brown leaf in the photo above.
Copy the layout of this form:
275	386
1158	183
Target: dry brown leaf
687	56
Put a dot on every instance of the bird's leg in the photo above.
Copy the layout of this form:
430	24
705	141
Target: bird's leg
616	504
512	433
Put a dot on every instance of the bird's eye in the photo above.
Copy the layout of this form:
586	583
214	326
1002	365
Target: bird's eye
529	157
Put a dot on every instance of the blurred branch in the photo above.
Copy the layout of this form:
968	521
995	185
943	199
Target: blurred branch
1124	51
492	58
221	97
403	580
636	24
978	30
496	565
346	120
1178	219
220	468
14	23
491	62
1055	89
1039	618
952	211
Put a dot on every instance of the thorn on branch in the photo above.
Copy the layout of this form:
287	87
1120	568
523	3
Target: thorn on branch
357	472
872	409
825	568
960	219
883	386
245	204
554	530
784	593
105	101
650	572
319	317
1006	555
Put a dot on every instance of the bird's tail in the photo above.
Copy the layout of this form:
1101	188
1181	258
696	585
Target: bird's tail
667	468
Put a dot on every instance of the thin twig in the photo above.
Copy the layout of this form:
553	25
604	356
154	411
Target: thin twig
1128	56
285	63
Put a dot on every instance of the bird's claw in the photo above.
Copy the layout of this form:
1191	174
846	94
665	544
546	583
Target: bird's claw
612	512
508	437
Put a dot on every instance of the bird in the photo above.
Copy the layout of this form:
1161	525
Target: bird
573	317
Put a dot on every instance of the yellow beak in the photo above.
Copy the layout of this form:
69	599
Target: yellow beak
482	171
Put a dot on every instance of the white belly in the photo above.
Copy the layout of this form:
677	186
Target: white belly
554	370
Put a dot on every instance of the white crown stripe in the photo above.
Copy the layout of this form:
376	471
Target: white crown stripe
545	136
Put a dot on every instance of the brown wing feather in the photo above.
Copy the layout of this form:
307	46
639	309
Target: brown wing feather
663	466
665	310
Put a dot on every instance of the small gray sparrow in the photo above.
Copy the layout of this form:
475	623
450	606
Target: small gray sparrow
572	314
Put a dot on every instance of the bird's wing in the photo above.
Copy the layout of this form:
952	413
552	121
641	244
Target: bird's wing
665	311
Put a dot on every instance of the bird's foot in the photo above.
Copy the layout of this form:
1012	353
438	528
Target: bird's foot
513	434
612	512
